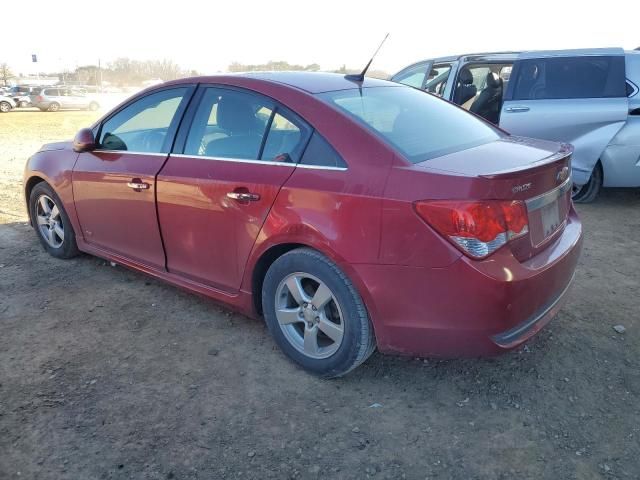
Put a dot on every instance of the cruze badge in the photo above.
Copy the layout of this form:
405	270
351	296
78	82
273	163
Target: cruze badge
563	174
521	188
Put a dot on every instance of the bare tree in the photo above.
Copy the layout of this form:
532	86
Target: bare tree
5	73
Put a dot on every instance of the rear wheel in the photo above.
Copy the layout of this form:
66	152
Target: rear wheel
315	314
5	107
93	106
51	222
589	191
54	107
24	104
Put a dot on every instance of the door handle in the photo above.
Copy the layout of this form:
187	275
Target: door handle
516	109
138	184
243	196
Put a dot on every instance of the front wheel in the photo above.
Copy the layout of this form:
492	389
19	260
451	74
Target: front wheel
93	106
51	222
5	107
315	314
588	192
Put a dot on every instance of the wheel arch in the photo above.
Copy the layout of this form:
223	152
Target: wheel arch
266	256
28	188
264	261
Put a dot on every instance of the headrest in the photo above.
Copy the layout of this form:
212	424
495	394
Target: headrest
493	80
235	115
465	77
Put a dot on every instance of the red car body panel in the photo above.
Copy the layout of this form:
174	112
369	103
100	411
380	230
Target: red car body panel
112	216
207	236
423	295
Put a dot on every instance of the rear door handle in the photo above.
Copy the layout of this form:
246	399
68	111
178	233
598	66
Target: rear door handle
138	184
516	109
244	196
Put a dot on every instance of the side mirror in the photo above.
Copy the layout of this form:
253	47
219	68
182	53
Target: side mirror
84	141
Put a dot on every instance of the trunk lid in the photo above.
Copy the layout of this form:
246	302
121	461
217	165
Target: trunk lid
516	168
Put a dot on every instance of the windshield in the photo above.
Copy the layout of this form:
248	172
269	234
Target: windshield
416	123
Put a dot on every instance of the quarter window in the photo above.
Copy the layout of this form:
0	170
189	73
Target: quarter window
143	125
320	153
570	77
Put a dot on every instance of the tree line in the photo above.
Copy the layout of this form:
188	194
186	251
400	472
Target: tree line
125	71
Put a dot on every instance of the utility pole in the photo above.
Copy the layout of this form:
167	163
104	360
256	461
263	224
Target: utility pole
99	76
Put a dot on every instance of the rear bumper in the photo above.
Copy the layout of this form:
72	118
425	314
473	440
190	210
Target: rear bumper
471	308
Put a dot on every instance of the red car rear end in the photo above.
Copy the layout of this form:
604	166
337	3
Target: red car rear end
479	245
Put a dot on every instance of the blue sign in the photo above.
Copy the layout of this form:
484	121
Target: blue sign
34	58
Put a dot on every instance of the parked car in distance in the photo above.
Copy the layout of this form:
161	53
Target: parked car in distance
6	104
21	94
588	98
52	99
347	213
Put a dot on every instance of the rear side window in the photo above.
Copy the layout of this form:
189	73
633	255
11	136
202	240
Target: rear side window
52	92
244	126
320	153
419	125
570	77
285	140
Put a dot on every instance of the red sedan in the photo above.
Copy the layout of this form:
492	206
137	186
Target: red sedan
349	214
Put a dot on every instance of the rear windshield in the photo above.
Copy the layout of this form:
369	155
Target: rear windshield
416	123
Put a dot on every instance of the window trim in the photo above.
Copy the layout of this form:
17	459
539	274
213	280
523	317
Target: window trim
171	130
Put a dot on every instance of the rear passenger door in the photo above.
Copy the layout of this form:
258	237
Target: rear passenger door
579	99
234	151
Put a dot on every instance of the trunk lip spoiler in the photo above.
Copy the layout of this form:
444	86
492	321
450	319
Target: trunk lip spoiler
561	154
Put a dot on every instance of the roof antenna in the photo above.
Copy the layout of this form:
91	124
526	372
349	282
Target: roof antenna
359	77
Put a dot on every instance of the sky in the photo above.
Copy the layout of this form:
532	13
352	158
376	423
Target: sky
209	35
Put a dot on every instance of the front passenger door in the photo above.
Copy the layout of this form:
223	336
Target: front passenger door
114	186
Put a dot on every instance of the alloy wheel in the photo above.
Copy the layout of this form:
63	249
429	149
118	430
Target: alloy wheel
4	107
49	221
309	315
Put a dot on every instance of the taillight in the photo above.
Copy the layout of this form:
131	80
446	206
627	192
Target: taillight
38	98
477	228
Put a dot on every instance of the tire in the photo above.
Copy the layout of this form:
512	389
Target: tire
342	313
93	106
56	220
5	107
23	104
54	107
588	192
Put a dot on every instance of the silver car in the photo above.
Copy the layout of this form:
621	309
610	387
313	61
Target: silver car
585	97
6	104
52	99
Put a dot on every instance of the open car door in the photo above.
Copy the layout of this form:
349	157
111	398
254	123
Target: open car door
573	96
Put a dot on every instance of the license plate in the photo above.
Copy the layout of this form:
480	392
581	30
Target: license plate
550	218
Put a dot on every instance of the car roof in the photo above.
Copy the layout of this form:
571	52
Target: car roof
311	82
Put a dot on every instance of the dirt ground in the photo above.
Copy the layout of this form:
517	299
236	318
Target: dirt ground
108	374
